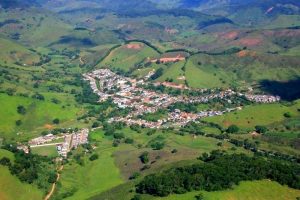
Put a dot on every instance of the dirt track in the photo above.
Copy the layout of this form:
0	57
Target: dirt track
54	184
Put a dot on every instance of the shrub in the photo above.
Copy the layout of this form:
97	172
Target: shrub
233	129
5	161
174	151
134	175
21	110
119	135
144	157
261	129
95	125
18	122
287	115
129	141
94	157
56	121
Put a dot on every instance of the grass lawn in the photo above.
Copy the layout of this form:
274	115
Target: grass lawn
250	116
256	190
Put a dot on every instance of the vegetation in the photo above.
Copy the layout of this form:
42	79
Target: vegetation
42	91
219	172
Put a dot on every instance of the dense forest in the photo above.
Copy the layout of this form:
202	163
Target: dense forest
219	171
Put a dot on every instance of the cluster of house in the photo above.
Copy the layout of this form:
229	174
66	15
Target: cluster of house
177	118
43	140
128	93
263	98
172	85
69	141
141	122
72	141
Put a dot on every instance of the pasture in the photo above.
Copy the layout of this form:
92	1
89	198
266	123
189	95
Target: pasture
38	114
260	114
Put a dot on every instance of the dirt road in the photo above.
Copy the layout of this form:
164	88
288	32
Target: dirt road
54	184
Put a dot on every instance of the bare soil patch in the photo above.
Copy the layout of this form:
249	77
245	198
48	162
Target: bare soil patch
245	53
230	35
48	126
169	59
134	46
250	42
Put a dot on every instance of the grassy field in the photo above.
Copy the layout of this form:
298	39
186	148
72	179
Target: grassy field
116	164
204	76
49	151
258	190
38	114
128	56
187	148
12	188
13	52
250	116
174	72
93	177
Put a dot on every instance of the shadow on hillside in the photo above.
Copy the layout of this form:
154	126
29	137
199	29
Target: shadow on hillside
289	90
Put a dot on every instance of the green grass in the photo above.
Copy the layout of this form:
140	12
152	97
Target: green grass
11	187
295	51
49	151
124	58
258	190
38	114
12	52
92	178
283	21
204	76
174	72
250	116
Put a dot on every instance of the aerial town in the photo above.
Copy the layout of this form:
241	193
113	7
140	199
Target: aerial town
129	93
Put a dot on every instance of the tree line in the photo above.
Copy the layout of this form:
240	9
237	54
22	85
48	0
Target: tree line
219	171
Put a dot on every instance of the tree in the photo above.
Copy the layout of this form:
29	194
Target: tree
261	129
199	197
52	177
94	157
233	129
119	135
287	115
135	175
56	121
5	161
129	141
157	74
21	110
136	197
18	122
38	96
144	157
174	151
95	125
